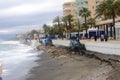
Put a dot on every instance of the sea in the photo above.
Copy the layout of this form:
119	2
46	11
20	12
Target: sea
17	60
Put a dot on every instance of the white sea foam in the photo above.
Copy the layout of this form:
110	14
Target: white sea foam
10	42
5	72
16	57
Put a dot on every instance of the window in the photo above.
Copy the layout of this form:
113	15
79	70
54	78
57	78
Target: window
97	2
86	2
66	5
68	11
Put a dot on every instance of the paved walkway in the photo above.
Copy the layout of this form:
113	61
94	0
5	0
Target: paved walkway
110	47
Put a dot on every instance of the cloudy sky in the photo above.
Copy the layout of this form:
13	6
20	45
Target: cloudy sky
17	16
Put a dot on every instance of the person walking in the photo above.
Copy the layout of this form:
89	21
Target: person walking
95	38
106	38
102	37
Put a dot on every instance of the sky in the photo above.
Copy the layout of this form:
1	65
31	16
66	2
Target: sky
20	16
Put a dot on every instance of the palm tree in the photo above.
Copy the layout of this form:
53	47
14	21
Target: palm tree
57	20
64	20
31	34
109	9
68	22
91	22
70	19
45	27
84	12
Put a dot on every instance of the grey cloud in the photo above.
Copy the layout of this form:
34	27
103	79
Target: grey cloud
38	18
27	19
11	3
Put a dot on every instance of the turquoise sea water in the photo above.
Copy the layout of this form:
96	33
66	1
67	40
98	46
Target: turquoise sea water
17	59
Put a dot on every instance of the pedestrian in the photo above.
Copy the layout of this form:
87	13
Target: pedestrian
102	37
95	38
106	38
45	42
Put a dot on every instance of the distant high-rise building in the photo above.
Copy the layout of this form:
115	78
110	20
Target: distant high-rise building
89	4
69	8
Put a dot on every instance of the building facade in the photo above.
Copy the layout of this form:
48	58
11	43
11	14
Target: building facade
89	4
69	8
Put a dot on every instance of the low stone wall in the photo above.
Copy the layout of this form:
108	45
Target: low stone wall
101	47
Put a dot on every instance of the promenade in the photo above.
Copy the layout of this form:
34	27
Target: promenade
109	47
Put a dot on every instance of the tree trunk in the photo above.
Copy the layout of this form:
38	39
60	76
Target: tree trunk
66	29
61	34
85	22
69	21
107	30
114	25
86	25
91	25
78	29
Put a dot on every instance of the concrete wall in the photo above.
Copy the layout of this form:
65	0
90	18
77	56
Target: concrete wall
102	47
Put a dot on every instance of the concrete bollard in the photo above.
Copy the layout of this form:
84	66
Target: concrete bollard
0	70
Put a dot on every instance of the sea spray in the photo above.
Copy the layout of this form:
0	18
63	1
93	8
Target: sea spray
16	59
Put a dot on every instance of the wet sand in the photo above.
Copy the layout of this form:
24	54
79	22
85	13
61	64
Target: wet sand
71	67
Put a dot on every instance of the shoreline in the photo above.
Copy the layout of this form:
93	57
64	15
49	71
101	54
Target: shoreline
17	60
56	64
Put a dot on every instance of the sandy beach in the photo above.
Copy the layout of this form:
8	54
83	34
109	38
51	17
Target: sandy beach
71	67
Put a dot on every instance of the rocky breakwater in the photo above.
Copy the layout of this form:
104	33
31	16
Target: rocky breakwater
55	51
